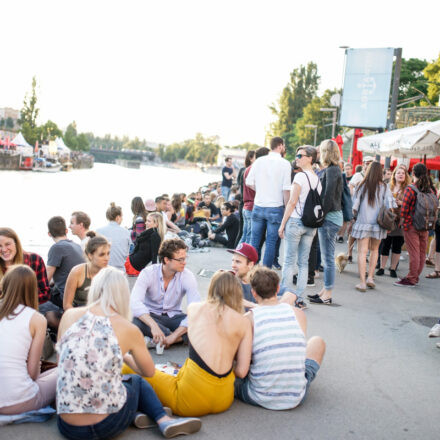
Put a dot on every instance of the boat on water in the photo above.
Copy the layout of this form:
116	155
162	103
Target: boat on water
129	163
45	165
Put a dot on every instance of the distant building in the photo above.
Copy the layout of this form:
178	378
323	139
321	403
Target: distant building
9	114
238	156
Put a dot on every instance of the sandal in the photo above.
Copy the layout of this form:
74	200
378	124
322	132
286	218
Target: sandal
433	275
360	288
371	284
429	262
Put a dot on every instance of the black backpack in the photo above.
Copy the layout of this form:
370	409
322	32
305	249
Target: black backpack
313	214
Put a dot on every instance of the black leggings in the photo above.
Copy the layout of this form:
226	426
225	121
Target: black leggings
394	243
437	236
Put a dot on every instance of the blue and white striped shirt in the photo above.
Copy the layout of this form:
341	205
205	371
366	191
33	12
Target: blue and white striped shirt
277	373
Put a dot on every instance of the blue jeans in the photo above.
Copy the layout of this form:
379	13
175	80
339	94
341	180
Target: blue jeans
247	227
269	218
327	239
241	385
225	192
298	241
140	397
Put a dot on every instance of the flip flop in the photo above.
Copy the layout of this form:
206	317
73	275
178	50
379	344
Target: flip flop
360	289
371	284
433	275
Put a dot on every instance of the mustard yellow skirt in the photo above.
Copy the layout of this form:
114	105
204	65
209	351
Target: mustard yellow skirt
193	392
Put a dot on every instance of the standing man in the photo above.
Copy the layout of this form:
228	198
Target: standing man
156	299
269	177
227	175
79	225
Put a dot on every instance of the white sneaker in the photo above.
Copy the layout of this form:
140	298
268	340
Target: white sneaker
435	331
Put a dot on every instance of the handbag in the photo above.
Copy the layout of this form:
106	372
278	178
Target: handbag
387	218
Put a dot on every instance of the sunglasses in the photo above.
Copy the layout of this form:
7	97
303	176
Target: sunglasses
299	156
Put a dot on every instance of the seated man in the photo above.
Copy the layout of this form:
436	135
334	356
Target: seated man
79	225
161	206
244	258
283	363
212	212
157	295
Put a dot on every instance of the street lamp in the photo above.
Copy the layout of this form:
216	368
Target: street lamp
334	110
316	129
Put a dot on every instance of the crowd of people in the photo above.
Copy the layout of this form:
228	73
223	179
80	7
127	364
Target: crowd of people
247	340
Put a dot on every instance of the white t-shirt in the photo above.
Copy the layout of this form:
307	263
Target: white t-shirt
270	175
356	179
301	180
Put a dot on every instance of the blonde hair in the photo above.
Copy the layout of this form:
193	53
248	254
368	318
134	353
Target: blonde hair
219	201
109	288
329	153
225	290
158	218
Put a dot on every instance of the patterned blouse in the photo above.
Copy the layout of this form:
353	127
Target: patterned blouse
89	368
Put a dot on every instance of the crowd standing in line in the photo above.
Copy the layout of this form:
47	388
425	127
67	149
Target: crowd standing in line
105	378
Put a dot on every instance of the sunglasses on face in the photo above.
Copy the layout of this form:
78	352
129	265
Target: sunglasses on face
299	156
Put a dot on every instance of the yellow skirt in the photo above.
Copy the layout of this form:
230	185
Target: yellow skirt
193	392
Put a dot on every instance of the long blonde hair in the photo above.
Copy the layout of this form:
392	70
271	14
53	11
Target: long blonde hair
225	290
329	153
110	288
158	218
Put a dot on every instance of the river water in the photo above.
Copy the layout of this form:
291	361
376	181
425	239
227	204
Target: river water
28	199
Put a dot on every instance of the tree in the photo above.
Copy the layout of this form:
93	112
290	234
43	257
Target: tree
70	136
48	131
29	114
412	80
299	92
432	73
246	146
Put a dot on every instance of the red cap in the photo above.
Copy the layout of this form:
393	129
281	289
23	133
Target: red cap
246	250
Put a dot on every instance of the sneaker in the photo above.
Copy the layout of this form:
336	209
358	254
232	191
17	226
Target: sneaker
404	282
311	282
180	426
301	305
142	421
393	273
435	331
340	240
380	272
276	265
321	269
295	279
350	259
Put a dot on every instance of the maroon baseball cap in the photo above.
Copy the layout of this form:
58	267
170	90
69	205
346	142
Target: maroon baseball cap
246	250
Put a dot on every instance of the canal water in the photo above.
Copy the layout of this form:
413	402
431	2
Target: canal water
28	199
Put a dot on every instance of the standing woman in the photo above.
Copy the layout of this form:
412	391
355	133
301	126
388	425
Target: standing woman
332	185
11	252
93	401
400	179
368	198
298	238
81	276
22	334
139	218
118	237
415	240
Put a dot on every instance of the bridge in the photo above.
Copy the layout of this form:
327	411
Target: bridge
107	155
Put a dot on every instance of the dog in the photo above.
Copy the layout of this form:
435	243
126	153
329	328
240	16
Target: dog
341	261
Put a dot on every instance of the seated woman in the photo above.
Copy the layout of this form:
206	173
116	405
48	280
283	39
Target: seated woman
147	245
22	333
80	277
230	225
93	401
139	218
218	334
12	253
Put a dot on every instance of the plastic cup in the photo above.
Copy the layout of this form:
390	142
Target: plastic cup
159	348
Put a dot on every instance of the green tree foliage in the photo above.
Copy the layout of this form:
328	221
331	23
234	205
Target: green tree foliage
48	132
313	116
412	80
299	92
29	114
246	146
75	140
432	74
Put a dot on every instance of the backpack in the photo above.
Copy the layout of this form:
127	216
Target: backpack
346	201
313	214
425	210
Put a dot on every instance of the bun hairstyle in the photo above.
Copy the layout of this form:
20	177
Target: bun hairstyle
113	211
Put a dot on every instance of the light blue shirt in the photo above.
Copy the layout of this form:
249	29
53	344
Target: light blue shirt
120	241
150	296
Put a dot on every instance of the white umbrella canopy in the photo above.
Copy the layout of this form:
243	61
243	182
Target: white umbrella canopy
416	141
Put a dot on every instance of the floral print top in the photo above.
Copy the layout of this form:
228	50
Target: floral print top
89	368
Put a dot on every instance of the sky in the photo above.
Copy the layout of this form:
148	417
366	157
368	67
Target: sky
166	70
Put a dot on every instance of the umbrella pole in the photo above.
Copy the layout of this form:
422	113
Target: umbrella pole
424	159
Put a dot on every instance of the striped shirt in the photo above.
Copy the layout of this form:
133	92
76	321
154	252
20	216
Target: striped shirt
277	375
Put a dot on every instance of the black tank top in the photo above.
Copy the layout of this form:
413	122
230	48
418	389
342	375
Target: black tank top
194	356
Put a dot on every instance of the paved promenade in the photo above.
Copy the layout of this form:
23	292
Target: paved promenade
380	378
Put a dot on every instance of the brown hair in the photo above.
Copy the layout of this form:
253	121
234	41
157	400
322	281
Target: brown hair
18	286
225	290
406	182
249	156
264	281
113	211
310	151
176	202
169	247
82	217
57	226
138	209
275	142
262	151
372	182
18	259
94	243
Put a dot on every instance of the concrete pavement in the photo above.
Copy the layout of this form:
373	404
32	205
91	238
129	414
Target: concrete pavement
379	380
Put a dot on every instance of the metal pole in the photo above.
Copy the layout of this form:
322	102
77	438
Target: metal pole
334	123
391	125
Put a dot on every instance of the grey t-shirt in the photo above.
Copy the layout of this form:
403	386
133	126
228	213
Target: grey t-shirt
64	255
247	294
120	241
